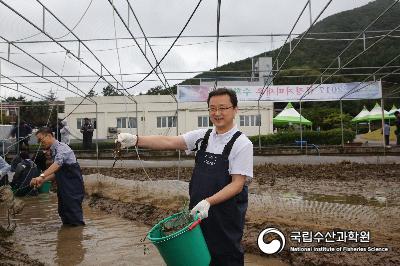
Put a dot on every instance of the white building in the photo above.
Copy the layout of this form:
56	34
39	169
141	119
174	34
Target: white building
154	115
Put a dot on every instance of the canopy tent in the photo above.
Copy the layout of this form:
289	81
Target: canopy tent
376	113
289	115
391	112
362	116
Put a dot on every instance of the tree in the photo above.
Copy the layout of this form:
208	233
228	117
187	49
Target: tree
13	99
111	91
51	96
92	93
326	118
158	90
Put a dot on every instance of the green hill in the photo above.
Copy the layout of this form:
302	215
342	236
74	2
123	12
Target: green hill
312	55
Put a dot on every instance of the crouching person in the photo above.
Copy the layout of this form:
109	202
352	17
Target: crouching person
67	173
24	172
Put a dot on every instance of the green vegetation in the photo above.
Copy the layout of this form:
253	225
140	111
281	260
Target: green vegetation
36	113
110	90
329	137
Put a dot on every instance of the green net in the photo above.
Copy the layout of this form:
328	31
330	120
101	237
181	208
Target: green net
177	223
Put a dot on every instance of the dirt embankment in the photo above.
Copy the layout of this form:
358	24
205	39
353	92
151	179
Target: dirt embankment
344	171
363	197
362	180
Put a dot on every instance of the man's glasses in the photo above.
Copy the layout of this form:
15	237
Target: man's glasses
40	140
221	109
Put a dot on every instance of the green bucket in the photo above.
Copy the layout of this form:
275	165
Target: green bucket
45	187
184	247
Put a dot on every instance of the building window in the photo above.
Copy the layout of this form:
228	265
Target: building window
204	121
80	121
250	120
124	122
121	122
166	121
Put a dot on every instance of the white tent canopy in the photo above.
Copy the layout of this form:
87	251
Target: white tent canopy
362	116
289	115
376	113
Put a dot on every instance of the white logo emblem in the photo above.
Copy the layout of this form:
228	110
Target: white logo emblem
275	246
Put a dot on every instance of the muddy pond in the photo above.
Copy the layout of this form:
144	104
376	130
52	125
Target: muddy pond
105	240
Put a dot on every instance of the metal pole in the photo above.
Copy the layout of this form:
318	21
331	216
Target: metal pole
259	126
17	137
177	133
252	69
364	41
129	18
137	120
1	103
301	131
97	137
43	19
341	122
383	127
57	122
309	8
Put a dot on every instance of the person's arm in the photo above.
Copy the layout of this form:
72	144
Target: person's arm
53	168
229	191
162	142
47	178
48	174
4	167
90	128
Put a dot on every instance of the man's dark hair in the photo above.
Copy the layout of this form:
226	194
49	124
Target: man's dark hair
396	113
44	131
224	91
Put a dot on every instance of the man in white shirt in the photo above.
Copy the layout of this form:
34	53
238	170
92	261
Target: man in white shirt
223	168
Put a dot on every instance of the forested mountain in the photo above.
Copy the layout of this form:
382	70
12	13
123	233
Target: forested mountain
310	58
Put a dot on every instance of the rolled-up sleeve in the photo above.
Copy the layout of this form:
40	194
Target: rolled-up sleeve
242	162
62	154
59	157
191	137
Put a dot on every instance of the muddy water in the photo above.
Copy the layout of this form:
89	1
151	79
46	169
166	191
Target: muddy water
105	240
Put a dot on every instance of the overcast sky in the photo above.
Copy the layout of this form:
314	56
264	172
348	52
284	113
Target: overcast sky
158	18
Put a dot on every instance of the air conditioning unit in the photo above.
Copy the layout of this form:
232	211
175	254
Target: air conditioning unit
112	132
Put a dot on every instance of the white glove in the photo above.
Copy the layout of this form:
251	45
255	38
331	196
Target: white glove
127	140
202	208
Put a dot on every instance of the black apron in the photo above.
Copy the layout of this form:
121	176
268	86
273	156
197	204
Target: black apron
223	229
70	193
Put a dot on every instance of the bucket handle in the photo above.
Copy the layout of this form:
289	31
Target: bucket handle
195	223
